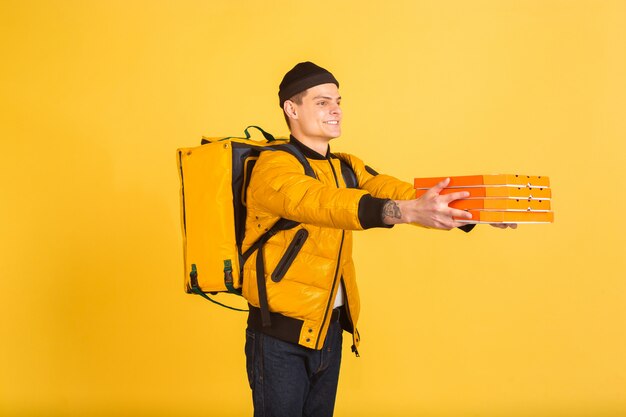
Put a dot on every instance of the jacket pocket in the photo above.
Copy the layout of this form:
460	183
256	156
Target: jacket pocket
290	254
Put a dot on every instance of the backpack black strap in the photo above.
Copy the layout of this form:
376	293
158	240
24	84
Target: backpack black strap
282	224
294	151
195	288
349	177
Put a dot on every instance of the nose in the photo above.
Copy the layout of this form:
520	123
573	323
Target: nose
336	109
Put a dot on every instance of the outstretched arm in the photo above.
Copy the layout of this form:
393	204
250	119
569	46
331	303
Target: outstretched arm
430	210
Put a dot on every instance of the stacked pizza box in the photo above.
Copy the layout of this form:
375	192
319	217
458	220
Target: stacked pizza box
498	198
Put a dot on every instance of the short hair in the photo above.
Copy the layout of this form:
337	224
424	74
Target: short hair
296	98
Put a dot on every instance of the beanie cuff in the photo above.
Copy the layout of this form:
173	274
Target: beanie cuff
305	83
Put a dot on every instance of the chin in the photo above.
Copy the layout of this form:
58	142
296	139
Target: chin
334	135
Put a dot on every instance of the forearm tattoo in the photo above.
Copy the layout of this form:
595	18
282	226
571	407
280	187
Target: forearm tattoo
392	210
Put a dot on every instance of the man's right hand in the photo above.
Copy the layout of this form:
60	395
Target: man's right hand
430	210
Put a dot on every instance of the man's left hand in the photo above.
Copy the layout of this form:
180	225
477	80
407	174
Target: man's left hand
504	225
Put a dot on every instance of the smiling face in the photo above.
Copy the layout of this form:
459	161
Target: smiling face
318	118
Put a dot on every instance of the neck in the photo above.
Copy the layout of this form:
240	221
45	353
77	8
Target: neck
319	145
309	150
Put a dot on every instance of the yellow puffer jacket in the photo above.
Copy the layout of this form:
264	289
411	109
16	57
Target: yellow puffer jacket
305	265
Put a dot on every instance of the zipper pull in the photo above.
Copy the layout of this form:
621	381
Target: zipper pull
355	351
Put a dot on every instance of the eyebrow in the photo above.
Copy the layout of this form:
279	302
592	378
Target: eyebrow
325	97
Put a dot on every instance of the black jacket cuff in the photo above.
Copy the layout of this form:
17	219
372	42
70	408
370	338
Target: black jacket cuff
371	212
467	227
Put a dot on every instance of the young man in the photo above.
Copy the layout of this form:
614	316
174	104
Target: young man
293	361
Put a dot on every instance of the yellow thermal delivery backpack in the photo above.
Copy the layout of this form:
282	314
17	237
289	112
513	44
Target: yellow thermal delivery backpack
214	178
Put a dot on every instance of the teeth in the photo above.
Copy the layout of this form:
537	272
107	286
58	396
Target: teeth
332	122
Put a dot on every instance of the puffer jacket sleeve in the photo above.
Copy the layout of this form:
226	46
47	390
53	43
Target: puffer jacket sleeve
378	185
279	185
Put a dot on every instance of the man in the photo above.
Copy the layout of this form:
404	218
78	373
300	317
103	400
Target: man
293	359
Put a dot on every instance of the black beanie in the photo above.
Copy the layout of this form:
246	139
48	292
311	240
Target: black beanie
301	77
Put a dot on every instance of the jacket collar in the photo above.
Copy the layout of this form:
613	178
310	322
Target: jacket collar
308	152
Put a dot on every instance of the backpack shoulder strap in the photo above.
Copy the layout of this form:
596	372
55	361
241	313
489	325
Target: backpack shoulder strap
294	151
282	224
349	177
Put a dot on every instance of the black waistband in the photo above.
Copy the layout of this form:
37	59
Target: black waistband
283	327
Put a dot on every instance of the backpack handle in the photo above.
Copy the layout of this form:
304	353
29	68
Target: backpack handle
268	136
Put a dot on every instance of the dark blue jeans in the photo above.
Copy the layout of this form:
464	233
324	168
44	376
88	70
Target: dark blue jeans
289	380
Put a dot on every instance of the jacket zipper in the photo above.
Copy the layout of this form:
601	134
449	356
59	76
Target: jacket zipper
343	233
290	254
355	332
330	299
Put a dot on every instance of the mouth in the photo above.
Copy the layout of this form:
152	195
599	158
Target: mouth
332	122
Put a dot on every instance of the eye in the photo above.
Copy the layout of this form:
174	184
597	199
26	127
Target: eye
321	103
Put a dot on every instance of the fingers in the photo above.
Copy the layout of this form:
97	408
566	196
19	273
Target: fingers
448	198
504	225
459	214
439	187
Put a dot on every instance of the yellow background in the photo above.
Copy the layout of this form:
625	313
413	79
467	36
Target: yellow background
97	95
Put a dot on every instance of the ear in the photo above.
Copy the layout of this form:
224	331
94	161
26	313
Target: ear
290	109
